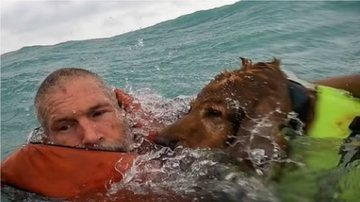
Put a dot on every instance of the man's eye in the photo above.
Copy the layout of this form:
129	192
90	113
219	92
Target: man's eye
98	113
65	127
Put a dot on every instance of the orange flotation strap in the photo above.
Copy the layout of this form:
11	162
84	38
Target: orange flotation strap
63	172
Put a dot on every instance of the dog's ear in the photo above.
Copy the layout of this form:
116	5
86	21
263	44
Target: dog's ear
245	63
260	129
258	141
275	63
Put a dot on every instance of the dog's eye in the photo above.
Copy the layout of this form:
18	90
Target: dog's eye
210	112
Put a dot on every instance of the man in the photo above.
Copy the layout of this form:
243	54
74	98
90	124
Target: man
76	108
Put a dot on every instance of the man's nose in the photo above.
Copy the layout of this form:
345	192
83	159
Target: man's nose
91	135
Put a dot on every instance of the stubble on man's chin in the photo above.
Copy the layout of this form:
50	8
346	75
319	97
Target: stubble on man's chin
119	147
107	146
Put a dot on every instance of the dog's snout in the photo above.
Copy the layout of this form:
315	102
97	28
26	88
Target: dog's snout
167	141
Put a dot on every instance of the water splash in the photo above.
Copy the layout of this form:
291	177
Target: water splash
202	174
166	110
36	136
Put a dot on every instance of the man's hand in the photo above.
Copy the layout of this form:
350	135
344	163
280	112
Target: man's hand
145	121
126	101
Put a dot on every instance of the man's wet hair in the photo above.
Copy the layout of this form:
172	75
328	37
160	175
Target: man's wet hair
57	79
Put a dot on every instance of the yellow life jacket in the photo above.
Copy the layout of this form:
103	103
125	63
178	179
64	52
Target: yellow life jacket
334	111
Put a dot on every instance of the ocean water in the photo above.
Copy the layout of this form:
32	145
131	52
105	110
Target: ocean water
177	58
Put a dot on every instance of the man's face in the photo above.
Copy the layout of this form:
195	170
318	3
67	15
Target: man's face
80	114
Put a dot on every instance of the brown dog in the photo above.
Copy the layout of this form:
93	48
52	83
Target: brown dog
243	110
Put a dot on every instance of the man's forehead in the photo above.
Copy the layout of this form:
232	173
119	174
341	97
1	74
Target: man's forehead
81	93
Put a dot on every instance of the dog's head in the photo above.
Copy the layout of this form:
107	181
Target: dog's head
242	109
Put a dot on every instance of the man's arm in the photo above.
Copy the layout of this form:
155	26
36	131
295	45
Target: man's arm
349	83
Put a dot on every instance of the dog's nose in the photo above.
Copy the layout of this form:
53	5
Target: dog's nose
166	141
